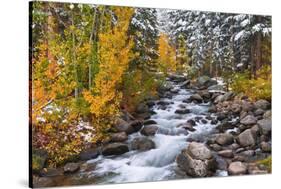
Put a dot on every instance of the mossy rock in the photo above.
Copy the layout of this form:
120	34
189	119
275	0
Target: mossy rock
39	158
267	162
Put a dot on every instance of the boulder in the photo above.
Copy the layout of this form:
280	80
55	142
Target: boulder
224	139
197	160
205	94
246	138
196	97
118	137
237	168
182	111
149	122
88	154
235	108
265	126
187	126
262	104
71	167
265	146
136	125
247	106
191	121
267	114
249	120
123	126
115	149
149	130
199	151
228	96
226	153
259	112
142	144
203	80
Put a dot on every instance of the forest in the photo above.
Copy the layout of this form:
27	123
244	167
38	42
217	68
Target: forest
108	82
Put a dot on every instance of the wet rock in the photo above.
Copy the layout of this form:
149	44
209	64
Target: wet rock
262	104
136	125
237	168
265	126
150	103
204	121
197	160
71	167
182	111
88	154
265	147
142	144
118	137
187	126
187	101
249	120
224	139
115	149
214	121
149	130
196	97
191	121
149	122
226	153
218	99
163	102
246	138
198	118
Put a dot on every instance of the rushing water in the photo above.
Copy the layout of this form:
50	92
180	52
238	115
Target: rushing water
159	163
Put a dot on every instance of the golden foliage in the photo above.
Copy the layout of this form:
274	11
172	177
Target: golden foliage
167	55
115	54
259	88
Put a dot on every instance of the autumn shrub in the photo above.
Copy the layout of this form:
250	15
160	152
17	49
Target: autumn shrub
137	86
254	88
267	162
115	54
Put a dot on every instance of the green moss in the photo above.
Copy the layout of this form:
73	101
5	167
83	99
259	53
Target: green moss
267	162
